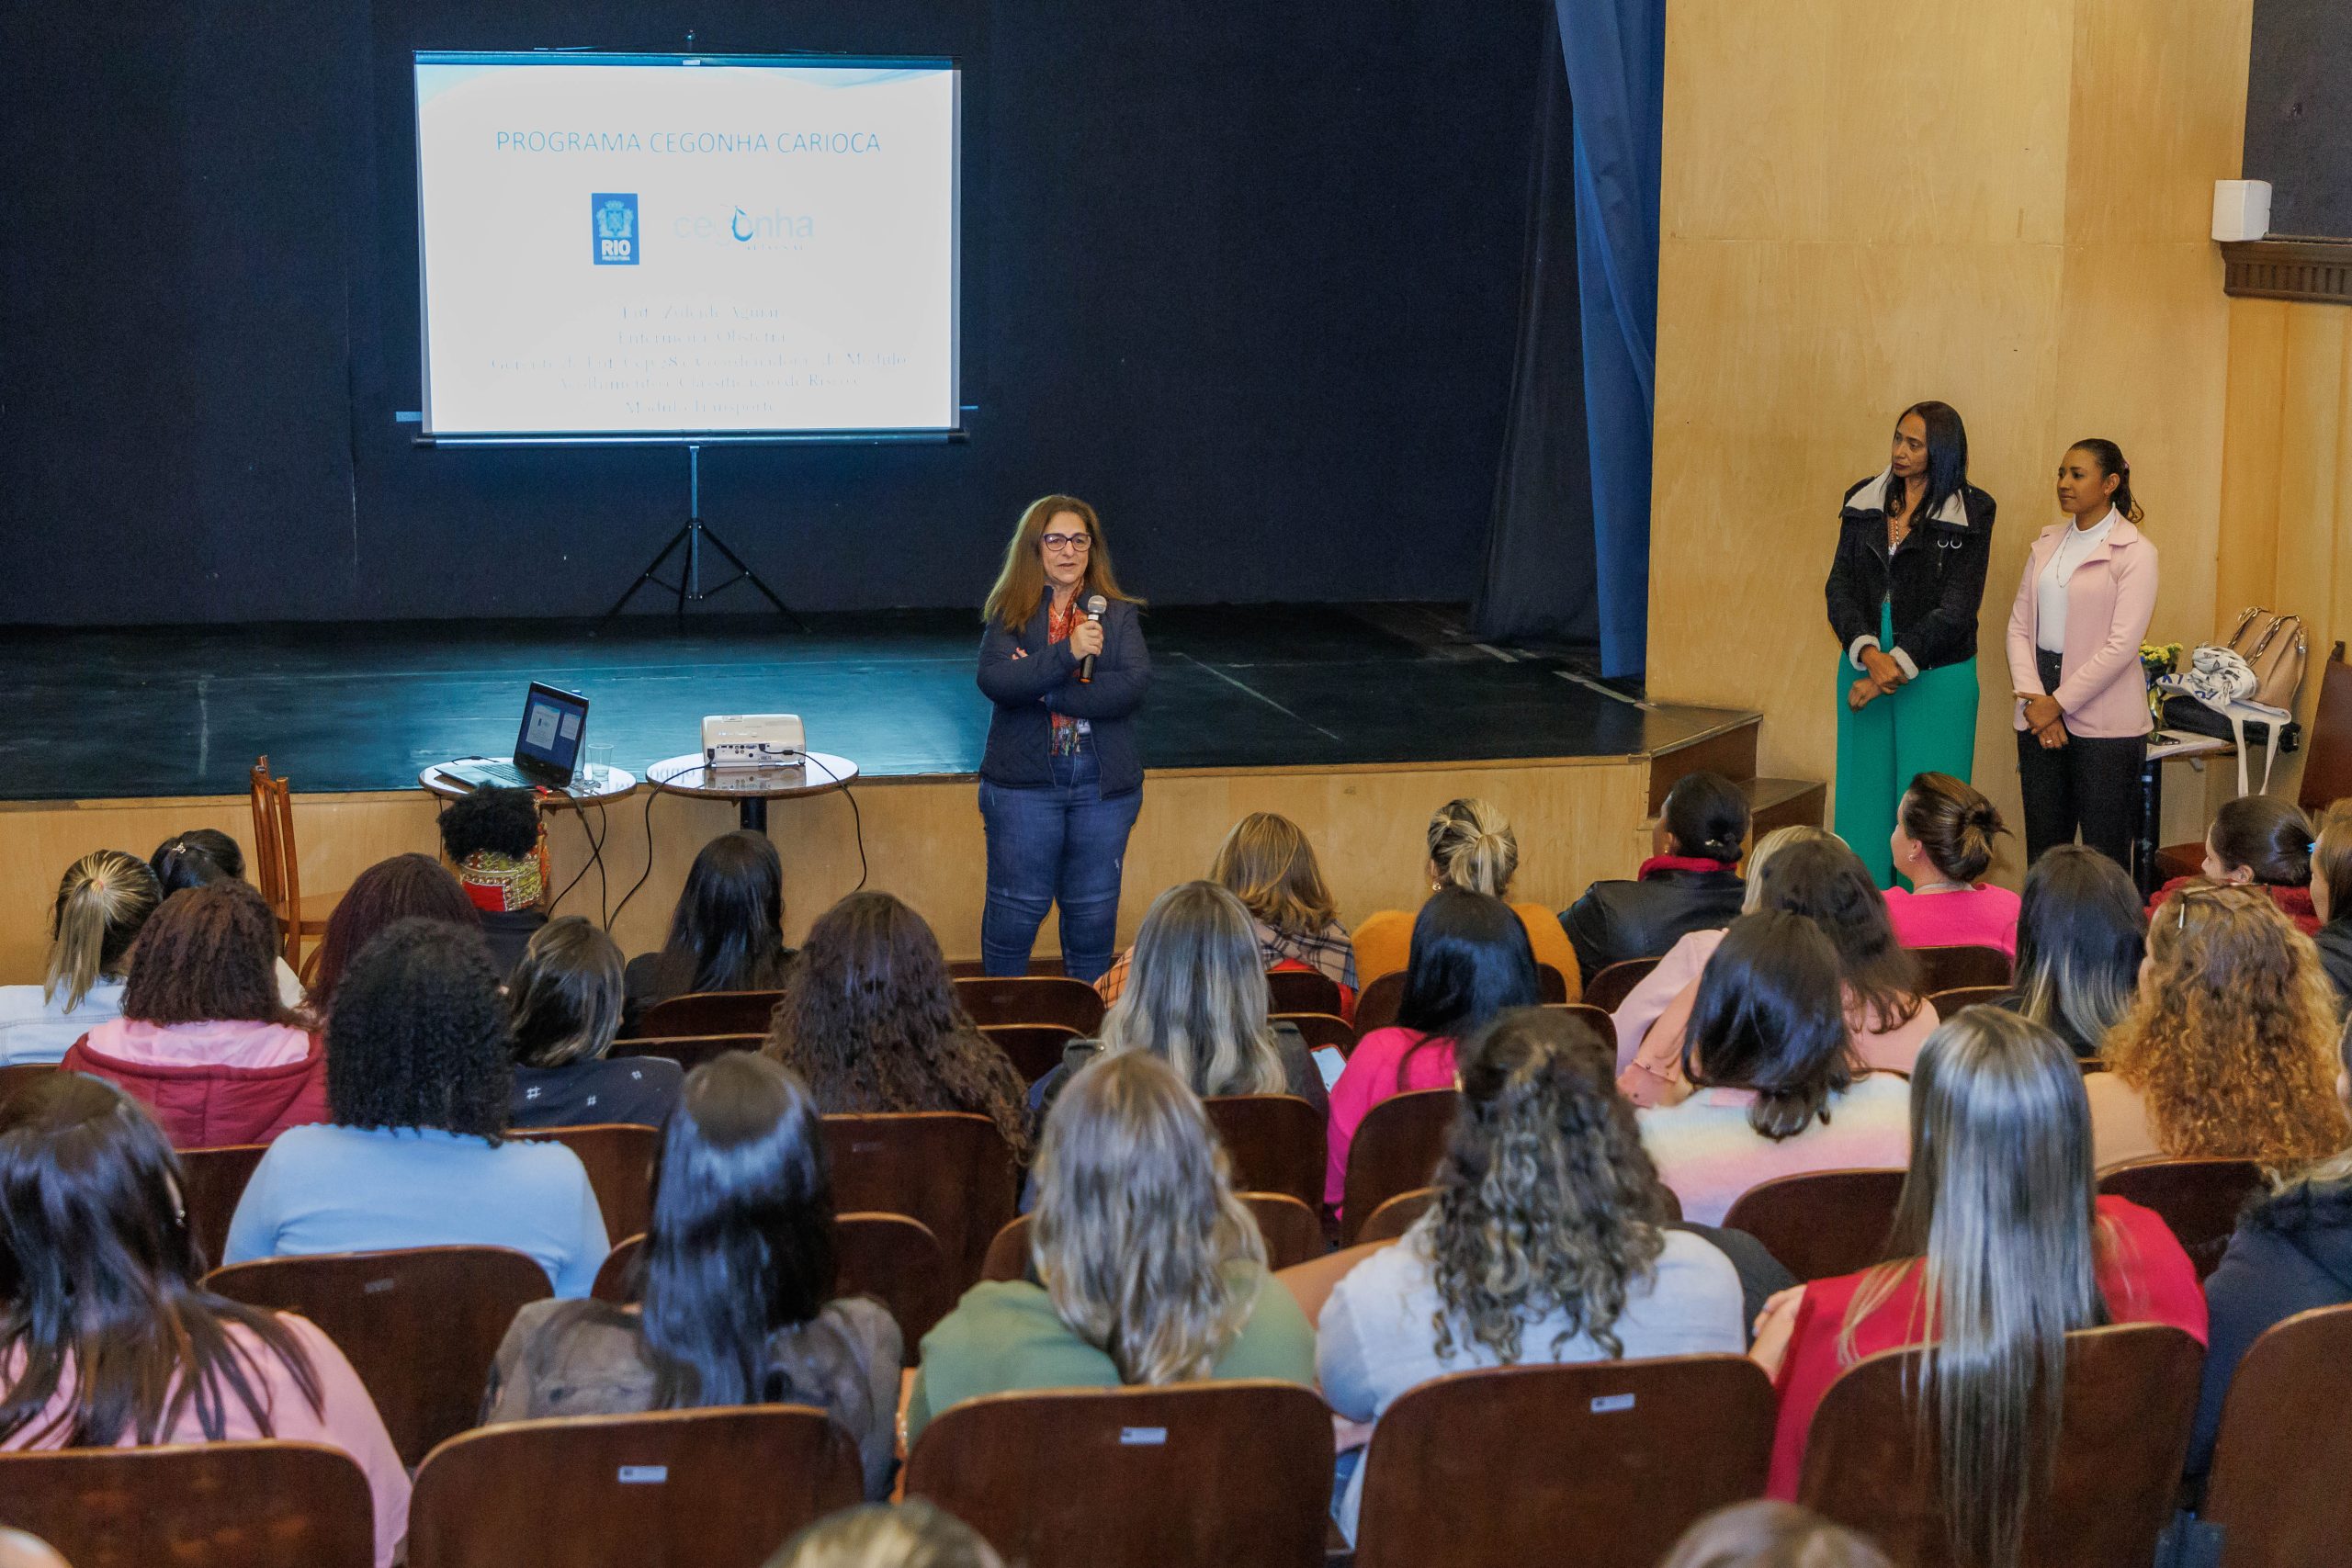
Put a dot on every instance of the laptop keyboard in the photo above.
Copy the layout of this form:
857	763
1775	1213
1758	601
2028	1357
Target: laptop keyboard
505	774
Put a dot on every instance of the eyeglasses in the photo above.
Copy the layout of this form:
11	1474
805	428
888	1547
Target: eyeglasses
1078	542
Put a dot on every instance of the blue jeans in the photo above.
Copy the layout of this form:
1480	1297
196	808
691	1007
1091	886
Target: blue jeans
1060	845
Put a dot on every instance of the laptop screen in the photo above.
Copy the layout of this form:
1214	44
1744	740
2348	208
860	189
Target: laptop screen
554	722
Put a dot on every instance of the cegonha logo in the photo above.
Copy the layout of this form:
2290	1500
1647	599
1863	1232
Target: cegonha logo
616	226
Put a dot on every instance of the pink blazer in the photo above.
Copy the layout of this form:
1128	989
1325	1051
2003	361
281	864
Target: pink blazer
2109	599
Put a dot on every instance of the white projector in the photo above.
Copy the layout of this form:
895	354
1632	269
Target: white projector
752	740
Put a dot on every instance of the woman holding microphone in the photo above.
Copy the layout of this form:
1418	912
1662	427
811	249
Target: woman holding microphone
1903	591
2075	633
1063	659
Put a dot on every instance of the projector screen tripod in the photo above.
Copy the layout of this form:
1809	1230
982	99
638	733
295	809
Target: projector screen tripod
693	536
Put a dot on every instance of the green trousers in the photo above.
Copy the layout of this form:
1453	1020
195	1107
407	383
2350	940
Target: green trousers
1926	727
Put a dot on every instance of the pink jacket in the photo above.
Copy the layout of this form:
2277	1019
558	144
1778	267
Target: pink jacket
2109	599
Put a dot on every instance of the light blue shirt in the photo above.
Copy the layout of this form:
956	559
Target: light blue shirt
334	1189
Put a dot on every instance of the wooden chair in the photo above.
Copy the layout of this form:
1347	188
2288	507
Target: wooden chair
618	1157
1377	1003
1034	1049
1821	1223
2277	1492
2199	1199
1302	990
1033	998
614	1282
709	1012
257	1504
1203	1475
18	1076
421	1325
1948	968
1396	1216
1617	1457
277	868
1275	1142
1322	1029
1949	1001
1397	1148
1551	985
691	1050
211	1180
1602	1024
949	1169
898	1262
1293	1233
2129	1395
1615	982
719	1487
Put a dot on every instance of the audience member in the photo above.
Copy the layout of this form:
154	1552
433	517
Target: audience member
563	1005
203	1040
1470	962
105	898
1473	849
727	934
2002	1243
1690	882
1776	1093
1942	845
2261	841
1546	1243
1154	1272
1196	998
2081	935
2229	1052
912	1534
203	855
1768	1534
1267	863
404	887
1886	1018
419	1075
870	1022
109	1338
2331	898
18	1550
496	842
737	1281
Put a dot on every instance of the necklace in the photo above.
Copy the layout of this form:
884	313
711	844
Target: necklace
1942	887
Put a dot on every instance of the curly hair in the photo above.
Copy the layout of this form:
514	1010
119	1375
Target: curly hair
395	889
209	952
1547	1204
2231	1042
870	1022
418	1037
503	821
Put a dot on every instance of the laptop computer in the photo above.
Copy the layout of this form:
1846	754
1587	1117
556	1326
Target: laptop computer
547	748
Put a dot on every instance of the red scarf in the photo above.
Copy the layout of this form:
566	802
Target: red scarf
1681	862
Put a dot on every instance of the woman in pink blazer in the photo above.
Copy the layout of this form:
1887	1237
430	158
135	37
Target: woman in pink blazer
2075	634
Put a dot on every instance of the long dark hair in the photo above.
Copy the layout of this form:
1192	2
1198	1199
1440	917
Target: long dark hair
418	1037
2109	457
728	931
2082	931
742	1241
1826	883
2269	837
209	952
403	887
1947	460
99	1282
1770	1017
1469	959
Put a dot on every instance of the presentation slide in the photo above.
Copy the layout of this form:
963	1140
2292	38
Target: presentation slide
648	245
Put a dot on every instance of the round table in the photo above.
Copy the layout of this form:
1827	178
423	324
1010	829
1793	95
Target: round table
618	783
750	788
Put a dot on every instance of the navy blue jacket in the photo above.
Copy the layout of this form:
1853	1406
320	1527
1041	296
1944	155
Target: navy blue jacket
1028	692
2291	1252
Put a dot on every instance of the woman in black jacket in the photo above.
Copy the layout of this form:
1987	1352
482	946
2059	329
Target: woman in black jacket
1064	661
1912	547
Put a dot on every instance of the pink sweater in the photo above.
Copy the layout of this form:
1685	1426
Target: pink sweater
1655	1074
2102	692
1983	916
1371	1077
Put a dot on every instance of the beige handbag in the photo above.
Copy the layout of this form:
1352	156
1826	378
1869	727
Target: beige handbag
2272	647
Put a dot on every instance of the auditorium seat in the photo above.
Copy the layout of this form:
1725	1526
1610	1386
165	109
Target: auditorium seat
1951	1000
257	1504
1397	1216
2130	1392
1034	1049
1293	1233
420	1325
18	1076
1302	990
2280	1493
2198	1199
1615	982
949	1169
1273	1142
719	1487
1033	998
1377	1006
1395	1149
618	1157
899	1263
1602	1464
708	1012
212	1181
1321	1029
613	1282
276	867
1233	1475
1821	1223
1602	1024
1946	968
688	1051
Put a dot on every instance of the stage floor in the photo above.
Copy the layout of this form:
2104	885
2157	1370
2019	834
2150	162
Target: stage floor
183	711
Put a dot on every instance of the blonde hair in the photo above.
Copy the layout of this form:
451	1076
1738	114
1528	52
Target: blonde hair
1771	1535
1269	866
1473	847
914	1534
105	898
1772	844
1021	582
2231	1041
1136	1223
1196	994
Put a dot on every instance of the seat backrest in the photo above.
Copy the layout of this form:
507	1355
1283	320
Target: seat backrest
2130	1392
719	1488
2327	739
211	1180
1821	1223
1551	985
18	1075
1034	1049
689	1051
420	1325
1202	1476
1292	1232
709	1012
898	1262
2198	1199
1395	1216
2276	1488
614	1280
948	1169
1397	1148
1302	990
618	1157
262	1504
1322	1029
1614	982
1377	1003
1944	968
1602	1024
1032	999
1275	1142
1952	999
1008	1253
276	867
1617	1457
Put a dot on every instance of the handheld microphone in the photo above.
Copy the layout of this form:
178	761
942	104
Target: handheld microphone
1096	606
